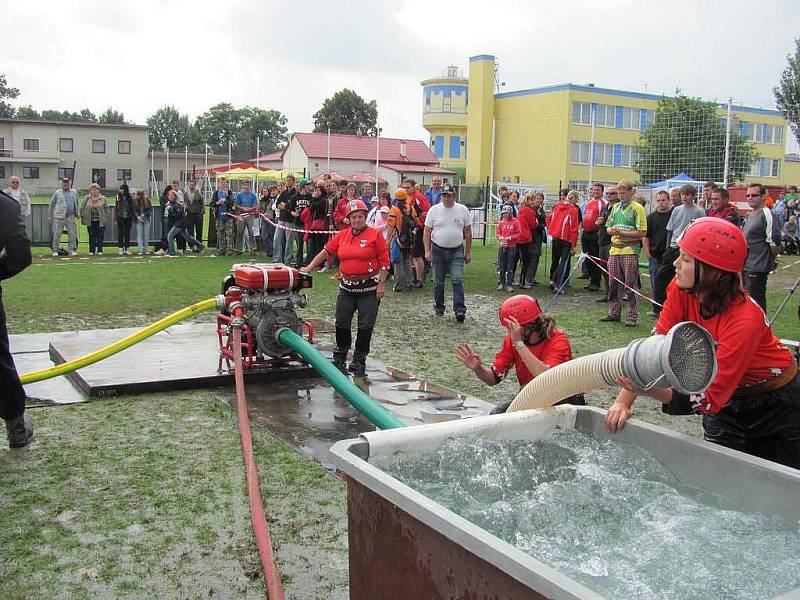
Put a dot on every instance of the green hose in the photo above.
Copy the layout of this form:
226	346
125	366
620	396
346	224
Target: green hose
376	414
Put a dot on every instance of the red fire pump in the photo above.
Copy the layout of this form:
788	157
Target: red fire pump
263	299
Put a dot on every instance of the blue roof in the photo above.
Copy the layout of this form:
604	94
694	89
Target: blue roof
611	92
481	57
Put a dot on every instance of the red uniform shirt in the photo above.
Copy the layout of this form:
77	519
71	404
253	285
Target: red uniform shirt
591	212
341	211
362	255
747	350
563	222
553	351
527	223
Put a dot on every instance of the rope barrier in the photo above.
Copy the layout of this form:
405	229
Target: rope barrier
597	262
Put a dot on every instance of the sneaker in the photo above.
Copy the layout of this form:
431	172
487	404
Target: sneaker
128	252
602	299
99	253
500	287
20	432
629	323
200	249
509	288
460	317
73	253
180	252
121	252
160	252
652	314
439	313
610	319
171	255
524	286
55	254
142	252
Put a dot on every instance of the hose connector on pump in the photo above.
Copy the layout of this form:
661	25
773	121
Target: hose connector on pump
237	314
684	359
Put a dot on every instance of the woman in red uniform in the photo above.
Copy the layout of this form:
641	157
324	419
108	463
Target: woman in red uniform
363	264
532	346
753	404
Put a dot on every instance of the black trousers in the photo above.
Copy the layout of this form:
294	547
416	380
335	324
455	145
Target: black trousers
194	225
756	286
665	274
124	231
524	256
767	425
559	265
12	396
347	305
591	246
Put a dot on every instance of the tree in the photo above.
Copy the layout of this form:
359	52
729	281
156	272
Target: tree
347	112
111	116
168	124
84	116
687	135
7	93
219	125
27	112
266	126
787	92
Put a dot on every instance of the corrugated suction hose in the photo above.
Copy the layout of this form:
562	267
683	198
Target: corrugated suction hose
683	359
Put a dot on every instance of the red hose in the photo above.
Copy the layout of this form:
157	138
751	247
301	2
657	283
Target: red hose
260	529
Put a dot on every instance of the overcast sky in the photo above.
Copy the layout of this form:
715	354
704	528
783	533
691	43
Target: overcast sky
139	55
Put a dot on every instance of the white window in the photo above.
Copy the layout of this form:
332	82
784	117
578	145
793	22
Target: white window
604	154
606	115
123	174
766	167
65	144
30	145
123	147
630	118
579	153
99	146
629	156
582	113
763	133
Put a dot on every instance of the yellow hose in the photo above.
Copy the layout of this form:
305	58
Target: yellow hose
119	346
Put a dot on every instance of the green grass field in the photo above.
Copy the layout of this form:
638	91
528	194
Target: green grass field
145	497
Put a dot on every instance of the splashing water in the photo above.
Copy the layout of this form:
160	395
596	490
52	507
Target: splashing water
608	515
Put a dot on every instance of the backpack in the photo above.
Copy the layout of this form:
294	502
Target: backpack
408	229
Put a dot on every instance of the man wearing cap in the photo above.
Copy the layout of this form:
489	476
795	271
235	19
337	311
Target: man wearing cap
64	209
447	239
281	244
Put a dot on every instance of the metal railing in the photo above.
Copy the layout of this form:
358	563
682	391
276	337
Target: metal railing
31	154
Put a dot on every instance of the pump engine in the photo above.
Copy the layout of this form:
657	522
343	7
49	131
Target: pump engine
265	297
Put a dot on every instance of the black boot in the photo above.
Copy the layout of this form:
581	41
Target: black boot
359	364
20	431
339	359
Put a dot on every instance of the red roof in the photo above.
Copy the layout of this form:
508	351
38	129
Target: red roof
412	168
272	157
360	147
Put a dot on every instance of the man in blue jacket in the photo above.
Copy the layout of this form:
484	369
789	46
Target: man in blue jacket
15	255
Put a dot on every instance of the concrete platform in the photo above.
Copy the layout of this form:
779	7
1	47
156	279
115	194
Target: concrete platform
187	357
181	357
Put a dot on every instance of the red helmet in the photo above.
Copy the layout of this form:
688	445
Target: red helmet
523	308
715	242
356	205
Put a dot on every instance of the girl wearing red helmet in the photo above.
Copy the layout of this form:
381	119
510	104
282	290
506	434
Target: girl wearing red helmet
363	265
753	405
532	345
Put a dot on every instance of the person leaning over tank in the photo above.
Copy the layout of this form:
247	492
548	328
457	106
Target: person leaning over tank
532	346
753	404
15	255
364	265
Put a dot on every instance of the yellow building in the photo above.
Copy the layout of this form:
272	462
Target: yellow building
545	135
444	115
